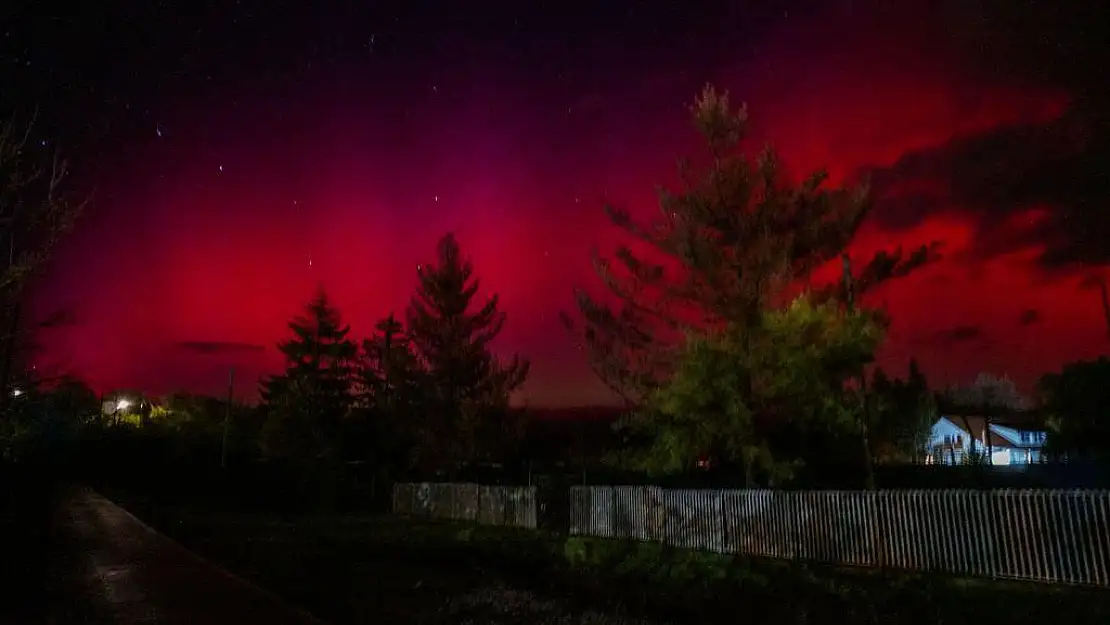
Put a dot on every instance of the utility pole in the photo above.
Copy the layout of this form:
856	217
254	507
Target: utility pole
1105	305
227	417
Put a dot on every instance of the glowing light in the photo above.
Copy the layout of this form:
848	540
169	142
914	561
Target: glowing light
17	392
123	404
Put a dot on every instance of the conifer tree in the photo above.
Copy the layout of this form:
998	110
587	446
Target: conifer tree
391	385
309	401
468	386
730	245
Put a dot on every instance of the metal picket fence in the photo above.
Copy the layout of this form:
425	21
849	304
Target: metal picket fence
510	506
1049	536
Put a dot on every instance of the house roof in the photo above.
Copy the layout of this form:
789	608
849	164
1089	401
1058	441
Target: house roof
977	424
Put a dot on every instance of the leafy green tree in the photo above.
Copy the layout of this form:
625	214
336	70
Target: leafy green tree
308	403
1075	401
468	387
732	244
739	396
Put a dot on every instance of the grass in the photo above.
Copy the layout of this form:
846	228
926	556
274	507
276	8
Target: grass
352	569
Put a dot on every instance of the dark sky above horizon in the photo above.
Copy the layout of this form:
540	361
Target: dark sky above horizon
240	153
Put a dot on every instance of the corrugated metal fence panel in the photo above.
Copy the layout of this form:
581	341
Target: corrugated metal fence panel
1051	536
513	506
493	505
685	518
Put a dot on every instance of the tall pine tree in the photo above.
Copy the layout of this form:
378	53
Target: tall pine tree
732	244
392	383
308	403
469	417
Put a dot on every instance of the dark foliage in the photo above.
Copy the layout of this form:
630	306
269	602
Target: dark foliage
468	416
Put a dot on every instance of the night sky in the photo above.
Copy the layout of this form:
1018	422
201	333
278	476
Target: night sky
240	153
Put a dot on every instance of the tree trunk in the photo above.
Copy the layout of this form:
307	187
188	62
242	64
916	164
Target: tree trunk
987	434
868	459
970	437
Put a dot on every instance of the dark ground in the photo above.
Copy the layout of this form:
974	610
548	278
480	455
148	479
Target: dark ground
75	557
352	569
328	565
71	557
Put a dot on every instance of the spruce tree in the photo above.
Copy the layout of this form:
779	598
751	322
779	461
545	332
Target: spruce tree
468	386
309	401
392	382
734	242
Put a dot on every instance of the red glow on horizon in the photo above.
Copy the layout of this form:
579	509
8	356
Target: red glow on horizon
225	256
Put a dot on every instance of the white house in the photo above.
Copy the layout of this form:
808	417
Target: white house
1012	441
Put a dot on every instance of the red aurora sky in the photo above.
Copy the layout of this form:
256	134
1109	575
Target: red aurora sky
232	173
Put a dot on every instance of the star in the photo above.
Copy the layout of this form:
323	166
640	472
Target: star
221	169
157	127
435	199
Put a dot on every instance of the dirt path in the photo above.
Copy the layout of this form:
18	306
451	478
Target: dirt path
128	573
135	575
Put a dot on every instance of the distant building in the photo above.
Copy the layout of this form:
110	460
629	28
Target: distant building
1013	440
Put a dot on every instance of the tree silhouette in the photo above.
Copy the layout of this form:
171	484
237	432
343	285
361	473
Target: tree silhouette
35	212
989	396
468	390
734	242
309	401
902	416
392	385
1075	400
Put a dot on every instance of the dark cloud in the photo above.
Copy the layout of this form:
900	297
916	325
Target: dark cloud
1029	317
1092	281
219	347
1059	168
1034	44
961	334
59	318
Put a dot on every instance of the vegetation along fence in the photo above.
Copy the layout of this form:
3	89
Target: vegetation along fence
1049	536
513	506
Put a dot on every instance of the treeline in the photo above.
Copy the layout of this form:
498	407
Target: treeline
738	332
427	393
424	396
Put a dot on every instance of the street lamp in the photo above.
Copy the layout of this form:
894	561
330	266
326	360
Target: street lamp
17	392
